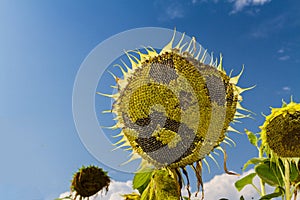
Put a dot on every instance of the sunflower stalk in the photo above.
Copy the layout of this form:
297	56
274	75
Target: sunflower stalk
287	183
262	183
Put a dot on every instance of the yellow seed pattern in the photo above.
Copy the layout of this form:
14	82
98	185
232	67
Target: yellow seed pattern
173	109
160	110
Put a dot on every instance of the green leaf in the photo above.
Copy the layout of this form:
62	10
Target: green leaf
253	161
141	180
294	173
161	185
269	173
242	198
247	180
251	137
277	193
270	196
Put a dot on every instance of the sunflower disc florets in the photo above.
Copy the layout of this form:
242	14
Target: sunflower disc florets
281	131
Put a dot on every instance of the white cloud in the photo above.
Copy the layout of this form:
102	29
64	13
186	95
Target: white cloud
174	11
286	89
283	58
65	194
170	10
280	50
222	186
241	4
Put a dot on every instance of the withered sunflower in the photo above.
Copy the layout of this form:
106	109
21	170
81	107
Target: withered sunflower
174	110
88	181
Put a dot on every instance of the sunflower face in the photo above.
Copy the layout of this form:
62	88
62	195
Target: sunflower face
172	108
88	181
281	131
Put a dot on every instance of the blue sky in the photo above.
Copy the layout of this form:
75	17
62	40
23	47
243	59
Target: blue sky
42	45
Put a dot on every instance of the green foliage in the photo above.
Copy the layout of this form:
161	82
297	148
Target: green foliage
247	180
269	172
294	173
253	161
162	186
277	193
141	180
253	139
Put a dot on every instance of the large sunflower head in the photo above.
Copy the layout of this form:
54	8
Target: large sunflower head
173	107
89	181
281	131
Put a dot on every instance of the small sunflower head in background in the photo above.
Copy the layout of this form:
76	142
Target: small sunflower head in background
88	181
281	132
173	108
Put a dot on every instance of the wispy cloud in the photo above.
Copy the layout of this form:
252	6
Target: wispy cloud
170	10
285	90
239	5
282	54
204	1
174	11
284	58
269	26
194	1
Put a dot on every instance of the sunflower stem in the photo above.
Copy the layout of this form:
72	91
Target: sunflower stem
262	183
259	192
287	180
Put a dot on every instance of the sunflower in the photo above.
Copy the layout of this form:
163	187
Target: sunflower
89	181
174	109
280	135
280	132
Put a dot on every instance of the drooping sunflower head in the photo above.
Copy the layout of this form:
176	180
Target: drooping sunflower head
89	181
280	132
174	108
